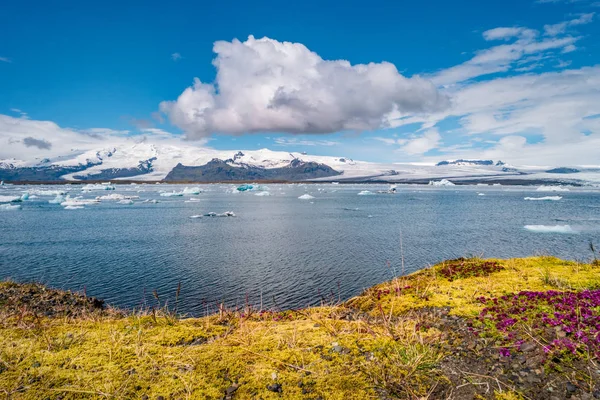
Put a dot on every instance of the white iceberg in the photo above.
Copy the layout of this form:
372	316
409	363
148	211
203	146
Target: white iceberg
10	199
480	194
550	228
78	202
443	182
153	201
306	197
172	194
545	188
10	207
192	190
365	193
126	202
104	186
195	216
545	198
262	194
74	208
57	200
49	192
224	214
25	196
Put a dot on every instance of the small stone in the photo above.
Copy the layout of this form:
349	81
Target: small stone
276	388
571	388
160	398
529	346
145	397
231	389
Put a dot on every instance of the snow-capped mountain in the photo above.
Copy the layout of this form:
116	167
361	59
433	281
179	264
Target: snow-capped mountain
146	161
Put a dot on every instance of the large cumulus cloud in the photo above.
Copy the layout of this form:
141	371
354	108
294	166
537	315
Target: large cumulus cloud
263	85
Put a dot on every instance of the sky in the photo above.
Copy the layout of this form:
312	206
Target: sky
382	81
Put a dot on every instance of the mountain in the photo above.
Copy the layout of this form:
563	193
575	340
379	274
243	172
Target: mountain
181	161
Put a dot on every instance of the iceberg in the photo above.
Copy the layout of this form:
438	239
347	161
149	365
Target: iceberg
78	202
25	196
193	190
365	193
10	207
195	216
225	214
245	187
74	208
57	200
104	186
443	182
546	198
550	228
172	194
153	201
262	194
545	188
126	202
306	197
48	192
480	194
10	199
116	196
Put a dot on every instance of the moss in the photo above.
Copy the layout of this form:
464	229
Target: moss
368	347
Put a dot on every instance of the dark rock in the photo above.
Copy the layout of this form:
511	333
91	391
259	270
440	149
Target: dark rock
231	389
529	346
275	387
571	388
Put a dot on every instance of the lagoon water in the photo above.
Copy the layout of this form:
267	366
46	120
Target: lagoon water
279	250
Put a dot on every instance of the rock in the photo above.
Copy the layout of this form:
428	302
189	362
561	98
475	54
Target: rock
275	387
231	389
527	347
571	388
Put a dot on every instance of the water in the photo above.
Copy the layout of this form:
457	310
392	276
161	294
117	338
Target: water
278	250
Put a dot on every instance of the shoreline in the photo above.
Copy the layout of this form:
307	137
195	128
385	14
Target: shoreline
448	331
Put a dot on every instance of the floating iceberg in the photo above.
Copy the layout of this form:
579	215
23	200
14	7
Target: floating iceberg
172	194
546	198
193	190
193	200
195	216
544	188
225	214
10	207
25	196
262	194
116	196
74	208
10	199
306	197
126	202
245	187
104	186
550	228
443	182
153	201
78	202
57	200
480	194
365	193
49	192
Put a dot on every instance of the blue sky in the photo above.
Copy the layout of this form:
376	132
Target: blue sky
109	65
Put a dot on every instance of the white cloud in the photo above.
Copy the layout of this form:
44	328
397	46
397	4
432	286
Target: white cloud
429	140
283	141
557	29
176	57
5	59
502	58
263	85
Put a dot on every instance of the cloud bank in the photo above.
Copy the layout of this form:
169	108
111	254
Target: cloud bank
263	85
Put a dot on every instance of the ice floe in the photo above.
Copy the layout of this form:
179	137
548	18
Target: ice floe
126	202
195	216
480	194
57	200
153	201
306	196
104	186
10	199
545	188
192	190
10	207
117	196
74	207
172	194
443	182
78	202
224	214
545	198
365	193
262	194
48	192
550	228
193	200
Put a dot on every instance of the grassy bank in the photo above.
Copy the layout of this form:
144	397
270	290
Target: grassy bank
468	328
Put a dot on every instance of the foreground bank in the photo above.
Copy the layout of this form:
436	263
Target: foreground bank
519	328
